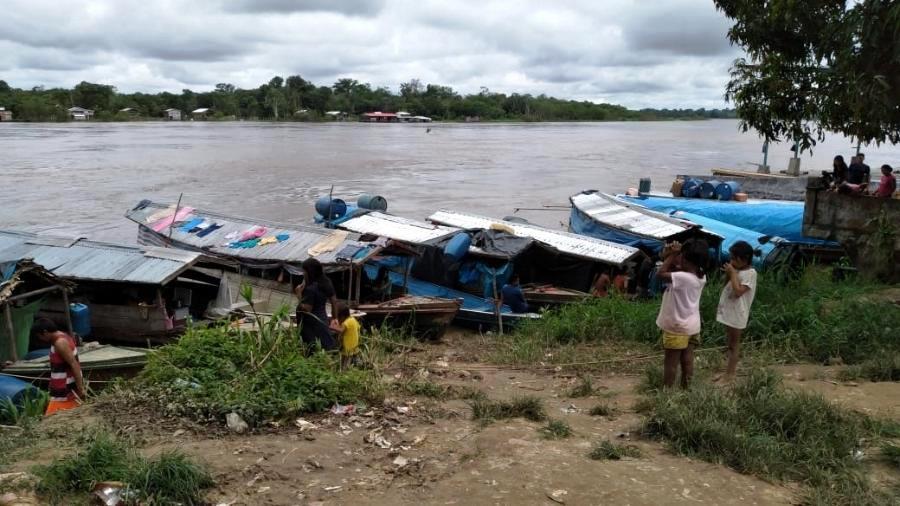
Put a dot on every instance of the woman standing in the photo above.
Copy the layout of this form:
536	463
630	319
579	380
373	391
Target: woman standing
315	290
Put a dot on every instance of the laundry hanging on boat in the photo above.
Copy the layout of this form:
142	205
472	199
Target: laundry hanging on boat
202	226
158	215
282	237
165	223
208	230
253	233
268	240
328	243
190	224
248	244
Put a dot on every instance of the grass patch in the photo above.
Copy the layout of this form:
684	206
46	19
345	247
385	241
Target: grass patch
426	389
584	388
884	367
168	478
891	452
607	450
759	427
527	407
34	403
821	322
556	429
607	410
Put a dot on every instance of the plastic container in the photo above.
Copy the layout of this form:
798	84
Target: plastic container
727	190
458	246
372	202
644	185
691	188
81	319
14	389
708	189
330	208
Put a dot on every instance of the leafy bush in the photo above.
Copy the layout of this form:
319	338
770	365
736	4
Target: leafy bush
884	367
527	407
556	429
32	407
169	478
607	450
606	410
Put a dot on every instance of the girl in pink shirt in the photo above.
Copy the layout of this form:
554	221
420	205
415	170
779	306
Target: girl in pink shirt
679	314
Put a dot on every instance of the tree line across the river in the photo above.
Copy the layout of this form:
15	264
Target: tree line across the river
295	98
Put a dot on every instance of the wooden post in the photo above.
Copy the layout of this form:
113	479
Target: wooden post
177	208
12	337
65	297
498	302
350	285
359	284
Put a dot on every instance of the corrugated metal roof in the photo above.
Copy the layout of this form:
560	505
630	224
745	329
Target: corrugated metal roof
294	250
572	244
615	213
397	228
80	259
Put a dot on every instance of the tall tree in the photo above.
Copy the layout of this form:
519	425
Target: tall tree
816	66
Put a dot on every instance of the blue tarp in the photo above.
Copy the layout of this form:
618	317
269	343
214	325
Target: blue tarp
580	223
732	235
774	218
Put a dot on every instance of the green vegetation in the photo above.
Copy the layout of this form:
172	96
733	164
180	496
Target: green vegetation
168	478
283	99
892	453
584	388
822	321
33	405
607	410
879	368
527	407
759	427
607	450
556	429
816	67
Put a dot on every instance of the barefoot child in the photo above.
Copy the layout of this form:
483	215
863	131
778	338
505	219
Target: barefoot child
736	299
679	314
349	335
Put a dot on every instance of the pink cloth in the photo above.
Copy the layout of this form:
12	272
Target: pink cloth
253	233
886	186
680	310
164	223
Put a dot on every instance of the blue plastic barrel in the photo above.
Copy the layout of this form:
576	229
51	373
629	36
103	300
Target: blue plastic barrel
326	205
691	188
81	319
372	202
726	190
458	246
708	189
14	389
644	185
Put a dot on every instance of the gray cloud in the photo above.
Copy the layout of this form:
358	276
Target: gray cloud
665	53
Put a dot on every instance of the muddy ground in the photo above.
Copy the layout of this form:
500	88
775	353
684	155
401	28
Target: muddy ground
417	450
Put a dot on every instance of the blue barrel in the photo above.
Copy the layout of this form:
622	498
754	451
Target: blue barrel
691	188
708	189
81	319
14	389
726	190
458	246
372	202
326	205
644	185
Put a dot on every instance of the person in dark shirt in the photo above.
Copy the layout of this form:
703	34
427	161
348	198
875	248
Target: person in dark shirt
513	296
315	291
840	170
858	172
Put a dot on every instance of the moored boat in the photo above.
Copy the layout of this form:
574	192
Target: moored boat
430	316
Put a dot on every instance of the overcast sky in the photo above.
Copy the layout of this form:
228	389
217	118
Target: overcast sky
639	53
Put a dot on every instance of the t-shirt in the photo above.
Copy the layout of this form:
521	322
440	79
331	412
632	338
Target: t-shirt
886	186
514	298
857	173
680	310
316	294
735	312
350	337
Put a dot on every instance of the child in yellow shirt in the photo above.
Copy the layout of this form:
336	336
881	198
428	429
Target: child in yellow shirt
349	332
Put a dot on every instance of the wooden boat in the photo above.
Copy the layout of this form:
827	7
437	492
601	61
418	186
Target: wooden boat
429	316
98	362
549	295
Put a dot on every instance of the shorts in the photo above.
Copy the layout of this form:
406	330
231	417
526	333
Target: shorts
673	341
55	406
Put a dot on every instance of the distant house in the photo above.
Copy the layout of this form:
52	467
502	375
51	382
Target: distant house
173	114
336	115
80	113
379	117
5	115
131	111
405	117
201	113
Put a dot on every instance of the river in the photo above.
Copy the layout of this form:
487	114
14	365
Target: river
79	178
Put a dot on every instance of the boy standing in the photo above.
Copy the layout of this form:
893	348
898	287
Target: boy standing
735	301
349	335
66	381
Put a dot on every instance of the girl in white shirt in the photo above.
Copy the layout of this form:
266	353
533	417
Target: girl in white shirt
735	301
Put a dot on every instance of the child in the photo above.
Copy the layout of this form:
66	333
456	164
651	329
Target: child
888	183
349	335
736	299
679	314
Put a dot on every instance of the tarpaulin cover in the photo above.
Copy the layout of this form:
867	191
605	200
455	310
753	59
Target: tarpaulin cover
775	218
22	319
580	223
732	235
497	243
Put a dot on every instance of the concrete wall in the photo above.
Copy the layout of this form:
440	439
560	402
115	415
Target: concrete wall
868	227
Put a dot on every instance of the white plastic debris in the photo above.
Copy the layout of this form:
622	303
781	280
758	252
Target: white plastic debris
304	425
236	423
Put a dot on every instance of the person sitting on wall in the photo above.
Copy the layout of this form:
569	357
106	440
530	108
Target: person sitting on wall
513	296
839	171
859	173
888	183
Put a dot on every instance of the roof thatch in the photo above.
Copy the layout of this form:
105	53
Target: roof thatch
26	271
